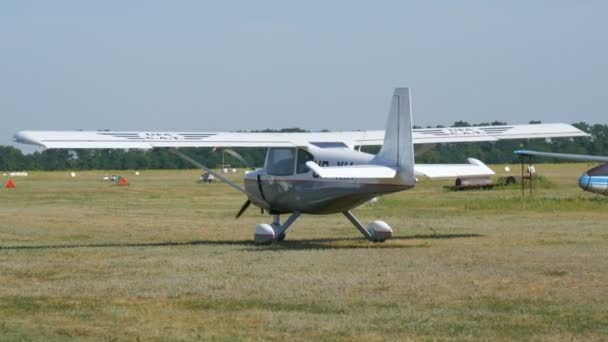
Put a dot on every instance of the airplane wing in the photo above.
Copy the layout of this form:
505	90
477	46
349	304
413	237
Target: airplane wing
148	140
493	133
577	157
474	168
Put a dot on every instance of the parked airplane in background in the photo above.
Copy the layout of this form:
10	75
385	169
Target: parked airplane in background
319	173
594	180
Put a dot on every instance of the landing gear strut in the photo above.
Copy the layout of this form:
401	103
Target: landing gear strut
266	233
377	231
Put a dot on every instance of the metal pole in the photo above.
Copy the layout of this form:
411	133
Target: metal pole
522	176
530	168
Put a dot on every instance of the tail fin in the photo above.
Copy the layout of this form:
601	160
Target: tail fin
398	148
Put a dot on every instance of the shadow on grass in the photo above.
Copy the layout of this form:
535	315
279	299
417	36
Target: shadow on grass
438	236
399	241
322	243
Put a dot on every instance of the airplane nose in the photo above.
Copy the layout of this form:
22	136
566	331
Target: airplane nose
584	181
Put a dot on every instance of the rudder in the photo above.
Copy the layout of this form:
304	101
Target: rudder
398	147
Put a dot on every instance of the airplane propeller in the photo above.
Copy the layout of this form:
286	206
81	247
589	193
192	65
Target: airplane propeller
243	208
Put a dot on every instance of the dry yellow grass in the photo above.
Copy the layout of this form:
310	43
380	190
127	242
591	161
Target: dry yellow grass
164	259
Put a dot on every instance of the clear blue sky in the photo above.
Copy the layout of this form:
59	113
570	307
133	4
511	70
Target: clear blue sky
230	65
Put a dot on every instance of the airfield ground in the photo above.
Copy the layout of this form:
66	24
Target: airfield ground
165	259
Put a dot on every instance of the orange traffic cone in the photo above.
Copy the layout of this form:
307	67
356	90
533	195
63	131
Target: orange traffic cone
9	184
122	181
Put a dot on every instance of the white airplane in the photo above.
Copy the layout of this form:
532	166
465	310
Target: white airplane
319	173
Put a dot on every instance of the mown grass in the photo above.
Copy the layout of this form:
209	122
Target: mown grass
163	259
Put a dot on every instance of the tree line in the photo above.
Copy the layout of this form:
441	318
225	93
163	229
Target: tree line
12	159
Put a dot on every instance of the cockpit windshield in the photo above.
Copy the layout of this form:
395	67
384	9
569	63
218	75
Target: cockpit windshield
601	170
281	161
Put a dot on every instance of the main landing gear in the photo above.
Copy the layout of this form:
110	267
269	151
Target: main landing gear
377	231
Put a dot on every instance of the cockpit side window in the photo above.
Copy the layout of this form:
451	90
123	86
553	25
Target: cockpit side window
281	161
303	157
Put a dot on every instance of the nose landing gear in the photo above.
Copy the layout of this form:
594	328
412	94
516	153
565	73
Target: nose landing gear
263	233
267	233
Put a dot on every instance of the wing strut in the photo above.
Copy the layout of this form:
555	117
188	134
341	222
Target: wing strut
219	176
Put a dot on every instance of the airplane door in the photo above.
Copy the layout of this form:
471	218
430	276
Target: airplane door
280	167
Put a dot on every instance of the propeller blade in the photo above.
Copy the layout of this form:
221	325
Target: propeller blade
236	155
243	208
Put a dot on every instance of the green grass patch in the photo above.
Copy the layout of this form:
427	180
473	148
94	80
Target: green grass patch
164	259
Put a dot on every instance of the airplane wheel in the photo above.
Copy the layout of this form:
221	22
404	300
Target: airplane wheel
380	231
281	237
263	234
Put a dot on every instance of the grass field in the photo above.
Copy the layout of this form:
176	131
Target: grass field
164	259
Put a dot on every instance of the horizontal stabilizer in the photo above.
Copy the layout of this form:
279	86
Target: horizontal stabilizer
353	171
474	168
577	157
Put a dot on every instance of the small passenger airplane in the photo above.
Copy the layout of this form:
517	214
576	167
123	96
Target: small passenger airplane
319	173
594	180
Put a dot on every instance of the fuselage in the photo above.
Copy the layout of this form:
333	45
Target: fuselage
595	180
287	185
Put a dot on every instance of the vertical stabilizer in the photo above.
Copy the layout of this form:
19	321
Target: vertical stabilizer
398	148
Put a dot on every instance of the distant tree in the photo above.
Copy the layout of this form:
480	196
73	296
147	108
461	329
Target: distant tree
11	158
282	130
54	160
461	124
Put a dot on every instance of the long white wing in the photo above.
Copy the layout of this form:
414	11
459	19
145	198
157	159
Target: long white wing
147	140
492	133
474	168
